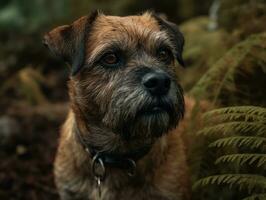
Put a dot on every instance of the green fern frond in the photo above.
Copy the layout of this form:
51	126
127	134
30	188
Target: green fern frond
251	142
259	128
248	181
220	118
240	159
244	126
256	197
255	111
236	113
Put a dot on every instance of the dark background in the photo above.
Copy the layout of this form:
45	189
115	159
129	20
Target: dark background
33	93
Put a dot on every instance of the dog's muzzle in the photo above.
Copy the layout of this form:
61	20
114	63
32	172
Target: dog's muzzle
149	103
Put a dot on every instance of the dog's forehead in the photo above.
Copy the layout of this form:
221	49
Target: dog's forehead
133	24
130	28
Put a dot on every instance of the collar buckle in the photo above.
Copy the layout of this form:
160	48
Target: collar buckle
98	171
98	168
132	168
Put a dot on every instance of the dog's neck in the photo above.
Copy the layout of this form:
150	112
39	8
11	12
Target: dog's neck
110	158
108	154
83	159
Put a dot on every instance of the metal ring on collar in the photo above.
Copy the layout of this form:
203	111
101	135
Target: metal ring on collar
98	161
132	169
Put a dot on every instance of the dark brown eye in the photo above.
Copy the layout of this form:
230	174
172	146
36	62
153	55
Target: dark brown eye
110	59
165	55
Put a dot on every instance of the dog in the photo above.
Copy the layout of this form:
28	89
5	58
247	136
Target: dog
121	139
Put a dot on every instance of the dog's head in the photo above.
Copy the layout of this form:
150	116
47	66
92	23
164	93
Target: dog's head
123	72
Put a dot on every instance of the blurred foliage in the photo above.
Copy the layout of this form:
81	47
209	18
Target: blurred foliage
30	81
28	16
243	17
202	49
238	76
175	10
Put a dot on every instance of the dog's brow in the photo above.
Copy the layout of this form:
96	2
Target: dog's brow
151	42
103	48
161	39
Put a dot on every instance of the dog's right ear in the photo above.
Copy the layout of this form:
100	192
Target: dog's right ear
175	35
69	41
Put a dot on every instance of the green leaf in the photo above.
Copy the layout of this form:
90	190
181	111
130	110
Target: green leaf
236	113
251	142
247	110
240	159
241	181
259	128
256	197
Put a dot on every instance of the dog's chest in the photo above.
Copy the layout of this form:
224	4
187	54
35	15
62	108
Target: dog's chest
101	193
115	190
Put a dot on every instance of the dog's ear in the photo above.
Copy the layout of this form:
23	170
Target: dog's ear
69	41
176	36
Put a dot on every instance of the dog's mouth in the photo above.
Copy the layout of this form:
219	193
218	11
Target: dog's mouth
157	108
153	111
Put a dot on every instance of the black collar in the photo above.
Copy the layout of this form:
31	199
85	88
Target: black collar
122	161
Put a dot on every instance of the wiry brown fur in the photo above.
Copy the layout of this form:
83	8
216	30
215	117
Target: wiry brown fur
105	107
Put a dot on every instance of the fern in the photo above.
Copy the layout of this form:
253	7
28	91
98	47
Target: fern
256	197
240	119
235	117
247	110
240	113
251	142
248	181
243	127
238	78
232	127
241	159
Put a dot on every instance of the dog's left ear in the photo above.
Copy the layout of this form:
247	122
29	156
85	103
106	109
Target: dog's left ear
69	41
176	36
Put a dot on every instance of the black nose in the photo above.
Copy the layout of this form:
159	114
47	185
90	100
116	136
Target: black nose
157	83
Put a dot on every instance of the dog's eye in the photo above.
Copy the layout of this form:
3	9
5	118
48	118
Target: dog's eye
110	59
165	55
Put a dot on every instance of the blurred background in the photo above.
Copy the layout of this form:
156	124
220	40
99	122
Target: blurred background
225	56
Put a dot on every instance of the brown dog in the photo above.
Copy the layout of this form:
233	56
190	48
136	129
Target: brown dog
120	139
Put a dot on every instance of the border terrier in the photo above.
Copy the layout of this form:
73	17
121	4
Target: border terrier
120	139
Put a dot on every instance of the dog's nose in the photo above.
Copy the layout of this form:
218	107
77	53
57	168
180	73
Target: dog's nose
157	83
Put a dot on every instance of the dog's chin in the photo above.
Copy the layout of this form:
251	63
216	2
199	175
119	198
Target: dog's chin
156	111
148	124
